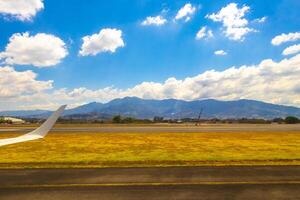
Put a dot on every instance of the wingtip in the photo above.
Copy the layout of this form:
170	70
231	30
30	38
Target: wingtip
63	106
49	123
61	109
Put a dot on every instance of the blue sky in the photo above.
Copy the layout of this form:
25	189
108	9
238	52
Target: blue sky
150	53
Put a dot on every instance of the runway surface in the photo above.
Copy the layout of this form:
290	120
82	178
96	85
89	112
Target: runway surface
165	128
152	183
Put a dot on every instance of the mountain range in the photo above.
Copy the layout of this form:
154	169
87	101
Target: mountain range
169	108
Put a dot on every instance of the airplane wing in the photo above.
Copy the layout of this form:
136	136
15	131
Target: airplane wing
38	133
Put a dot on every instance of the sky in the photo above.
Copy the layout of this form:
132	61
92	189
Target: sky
73	52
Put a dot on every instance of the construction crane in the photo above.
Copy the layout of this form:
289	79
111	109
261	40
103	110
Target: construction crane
199	117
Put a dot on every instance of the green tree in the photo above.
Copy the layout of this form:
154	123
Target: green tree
117	119
291	120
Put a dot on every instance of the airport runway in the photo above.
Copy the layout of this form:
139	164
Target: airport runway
166	128
178	183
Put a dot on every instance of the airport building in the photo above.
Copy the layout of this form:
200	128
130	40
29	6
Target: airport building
14	120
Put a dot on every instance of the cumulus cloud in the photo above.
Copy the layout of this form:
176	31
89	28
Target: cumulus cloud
291	50
40	50
157	21
234	22
270	81
186	12
14	83
204	33
220	53
107	40
23	10
283	38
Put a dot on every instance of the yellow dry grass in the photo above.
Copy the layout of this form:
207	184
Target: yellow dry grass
153	149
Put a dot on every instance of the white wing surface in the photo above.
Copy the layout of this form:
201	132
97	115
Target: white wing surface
38	133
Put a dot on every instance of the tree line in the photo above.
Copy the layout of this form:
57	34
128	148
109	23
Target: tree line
118	119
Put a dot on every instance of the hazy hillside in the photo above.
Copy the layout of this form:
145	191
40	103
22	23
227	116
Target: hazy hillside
24	113
172	108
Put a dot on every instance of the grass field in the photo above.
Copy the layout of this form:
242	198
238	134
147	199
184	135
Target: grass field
160	149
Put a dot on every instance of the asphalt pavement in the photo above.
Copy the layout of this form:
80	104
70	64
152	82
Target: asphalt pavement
260	182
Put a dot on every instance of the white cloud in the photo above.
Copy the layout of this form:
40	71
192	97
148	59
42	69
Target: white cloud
220	53
291	50
283	38
40	50
270	81
14	83
23	10
157	21
276	82
185	12
260	20
107	40
204	33
234	22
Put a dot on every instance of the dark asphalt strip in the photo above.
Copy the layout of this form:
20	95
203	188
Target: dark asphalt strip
152	184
